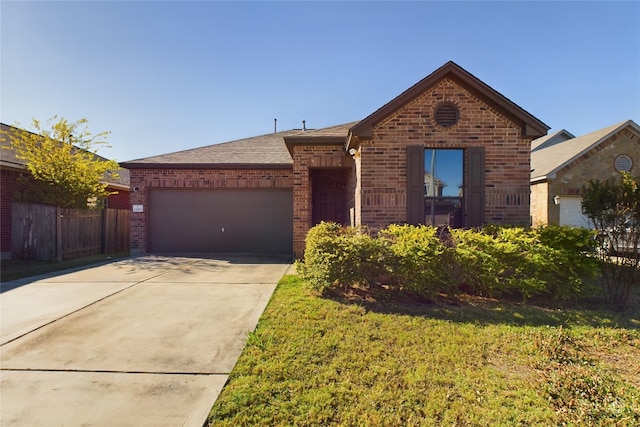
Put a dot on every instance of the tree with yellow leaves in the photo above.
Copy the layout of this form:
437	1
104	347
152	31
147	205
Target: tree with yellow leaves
62	158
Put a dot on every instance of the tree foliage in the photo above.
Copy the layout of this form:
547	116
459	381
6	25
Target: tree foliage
613	206
62	158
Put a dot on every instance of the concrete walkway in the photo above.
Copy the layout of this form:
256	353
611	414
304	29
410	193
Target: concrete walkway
146	341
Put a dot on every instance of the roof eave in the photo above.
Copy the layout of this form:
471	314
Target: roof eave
141	165
292	141
540	179
12	165
117	186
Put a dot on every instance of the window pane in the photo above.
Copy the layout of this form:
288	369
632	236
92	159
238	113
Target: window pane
447	165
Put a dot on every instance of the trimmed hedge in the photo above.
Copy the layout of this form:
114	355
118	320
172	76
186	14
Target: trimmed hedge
555	262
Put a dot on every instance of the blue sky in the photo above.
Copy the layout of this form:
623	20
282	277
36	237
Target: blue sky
167	76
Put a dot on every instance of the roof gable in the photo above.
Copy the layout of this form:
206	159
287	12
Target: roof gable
546	162
531	126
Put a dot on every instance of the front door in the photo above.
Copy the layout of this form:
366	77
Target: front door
328	188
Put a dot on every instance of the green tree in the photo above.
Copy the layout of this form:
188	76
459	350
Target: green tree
62	157
613	206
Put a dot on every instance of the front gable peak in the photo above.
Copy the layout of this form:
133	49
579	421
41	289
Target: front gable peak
531	126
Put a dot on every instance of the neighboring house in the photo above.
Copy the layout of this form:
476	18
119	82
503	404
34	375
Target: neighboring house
262	194
12	168
560	169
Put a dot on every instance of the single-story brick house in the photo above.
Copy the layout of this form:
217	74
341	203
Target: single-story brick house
262	194
11	171
562	164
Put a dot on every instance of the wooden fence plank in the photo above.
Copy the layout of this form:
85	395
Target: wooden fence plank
81	233
48	233
116	228
33	231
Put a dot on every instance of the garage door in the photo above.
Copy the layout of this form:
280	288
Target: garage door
221	221
571	212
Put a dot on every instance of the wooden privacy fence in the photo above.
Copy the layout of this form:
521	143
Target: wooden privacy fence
45	232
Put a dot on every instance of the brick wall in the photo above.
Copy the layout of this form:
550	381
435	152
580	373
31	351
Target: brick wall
305	158
382	174
120	200
9	186
146	179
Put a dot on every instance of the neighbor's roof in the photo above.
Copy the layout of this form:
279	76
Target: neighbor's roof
546	162
7	153
9	160
531	126
265	151
549	140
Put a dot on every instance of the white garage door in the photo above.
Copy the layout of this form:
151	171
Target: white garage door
571	212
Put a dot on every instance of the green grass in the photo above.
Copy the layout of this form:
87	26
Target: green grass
20	268
471	362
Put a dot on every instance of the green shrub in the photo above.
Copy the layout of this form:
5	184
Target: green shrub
501	261
339	257
421	263
494	261
574	257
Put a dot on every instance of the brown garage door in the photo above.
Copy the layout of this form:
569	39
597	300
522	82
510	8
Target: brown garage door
221	221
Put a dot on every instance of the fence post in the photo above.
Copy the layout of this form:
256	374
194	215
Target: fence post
58	233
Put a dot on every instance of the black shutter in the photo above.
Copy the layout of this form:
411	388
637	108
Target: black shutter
415	184
475	186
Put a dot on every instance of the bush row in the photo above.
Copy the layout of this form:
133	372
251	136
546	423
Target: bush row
556	262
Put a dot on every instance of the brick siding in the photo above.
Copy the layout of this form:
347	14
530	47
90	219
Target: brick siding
9	187
382	169
121	200
306	158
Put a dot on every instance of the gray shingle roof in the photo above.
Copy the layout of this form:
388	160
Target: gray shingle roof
267	150
548	140
546	162
258	150
7	154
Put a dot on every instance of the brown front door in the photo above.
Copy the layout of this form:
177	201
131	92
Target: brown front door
329	195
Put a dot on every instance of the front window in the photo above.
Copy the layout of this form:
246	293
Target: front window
443	186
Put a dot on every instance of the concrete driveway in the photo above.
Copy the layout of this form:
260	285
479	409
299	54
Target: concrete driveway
145	341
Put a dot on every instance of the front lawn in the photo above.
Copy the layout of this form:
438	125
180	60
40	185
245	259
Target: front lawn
353	361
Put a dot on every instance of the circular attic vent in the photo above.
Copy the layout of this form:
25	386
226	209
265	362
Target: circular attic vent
446	114
623	163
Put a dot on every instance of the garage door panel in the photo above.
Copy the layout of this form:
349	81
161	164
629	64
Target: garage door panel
571	212
223	221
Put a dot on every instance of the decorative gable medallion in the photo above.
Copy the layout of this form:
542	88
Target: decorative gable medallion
446	115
